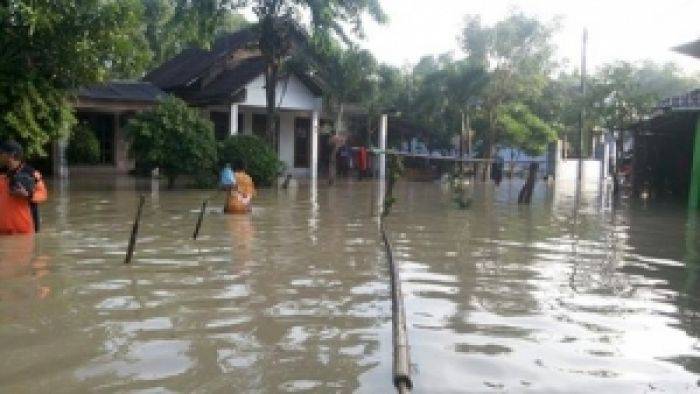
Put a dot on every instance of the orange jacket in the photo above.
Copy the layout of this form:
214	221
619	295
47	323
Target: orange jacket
15	214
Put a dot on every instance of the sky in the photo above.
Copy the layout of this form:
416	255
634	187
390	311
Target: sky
630	30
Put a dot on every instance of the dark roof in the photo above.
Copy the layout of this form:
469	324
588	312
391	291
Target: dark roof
231	81
685	102
122	91
201	76
190	64
691	48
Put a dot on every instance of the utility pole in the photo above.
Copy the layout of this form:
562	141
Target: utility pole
583	106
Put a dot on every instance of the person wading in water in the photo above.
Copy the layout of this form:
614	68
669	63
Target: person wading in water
21	190
240	199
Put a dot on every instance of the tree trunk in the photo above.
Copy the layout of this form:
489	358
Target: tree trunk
271	76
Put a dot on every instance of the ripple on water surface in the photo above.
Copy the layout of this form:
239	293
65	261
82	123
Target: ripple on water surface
295	297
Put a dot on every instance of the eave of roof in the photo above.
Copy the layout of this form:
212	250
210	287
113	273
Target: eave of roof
682	103
691	48
122	91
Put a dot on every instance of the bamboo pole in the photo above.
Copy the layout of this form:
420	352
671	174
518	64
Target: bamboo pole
402	362
199	220
135	231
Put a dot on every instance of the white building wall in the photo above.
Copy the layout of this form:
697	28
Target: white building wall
296	96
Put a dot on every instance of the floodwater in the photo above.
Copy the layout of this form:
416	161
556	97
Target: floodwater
566	295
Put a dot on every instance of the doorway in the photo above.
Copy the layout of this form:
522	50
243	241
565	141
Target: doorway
302	142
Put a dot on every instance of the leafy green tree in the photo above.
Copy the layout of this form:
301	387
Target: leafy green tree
259	159
83	146
173	25
349	77
281	31
52	47
176	139
519	54
623	93
522	128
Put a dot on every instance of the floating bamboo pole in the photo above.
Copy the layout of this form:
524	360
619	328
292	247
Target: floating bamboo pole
402	362
134	231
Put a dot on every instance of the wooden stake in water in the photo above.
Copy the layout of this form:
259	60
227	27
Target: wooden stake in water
199	220
134	231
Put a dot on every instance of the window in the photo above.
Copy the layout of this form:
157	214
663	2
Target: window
302	142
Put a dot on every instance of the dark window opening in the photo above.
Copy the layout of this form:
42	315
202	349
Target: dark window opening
302	142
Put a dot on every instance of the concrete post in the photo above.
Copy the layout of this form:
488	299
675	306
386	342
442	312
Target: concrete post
557	158
383	124
233	123
606	160
314	145
60	166
694	193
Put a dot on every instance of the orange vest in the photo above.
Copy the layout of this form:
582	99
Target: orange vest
41	193
15	215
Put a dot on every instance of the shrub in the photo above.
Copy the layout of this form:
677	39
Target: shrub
83	147
176	139
258	157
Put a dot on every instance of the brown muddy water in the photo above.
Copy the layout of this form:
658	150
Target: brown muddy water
564	296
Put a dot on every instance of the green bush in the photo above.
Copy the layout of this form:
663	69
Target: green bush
258	157
83	147
176	139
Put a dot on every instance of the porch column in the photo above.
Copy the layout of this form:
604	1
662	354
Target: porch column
382	146
694	193
233	123
314	145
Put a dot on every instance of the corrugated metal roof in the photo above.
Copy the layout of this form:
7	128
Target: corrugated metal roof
687	101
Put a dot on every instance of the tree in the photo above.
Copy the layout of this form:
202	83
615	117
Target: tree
52	47
518	52
280	32
174	138
259	159
623	93
173	25
349	77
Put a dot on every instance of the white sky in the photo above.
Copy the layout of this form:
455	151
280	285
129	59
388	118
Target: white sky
618	29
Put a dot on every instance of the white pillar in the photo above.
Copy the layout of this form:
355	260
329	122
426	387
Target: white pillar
314	145
382	146
60	166
233	124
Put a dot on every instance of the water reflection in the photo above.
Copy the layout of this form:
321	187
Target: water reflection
562	295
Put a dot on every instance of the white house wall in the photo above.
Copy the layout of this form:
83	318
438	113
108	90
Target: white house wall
296	96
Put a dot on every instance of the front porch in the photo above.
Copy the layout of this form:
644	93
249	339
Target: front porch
301	143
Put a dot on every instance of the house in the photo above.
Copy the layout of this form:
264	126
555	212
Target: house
666	158
107	108
666	149
227	83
